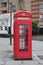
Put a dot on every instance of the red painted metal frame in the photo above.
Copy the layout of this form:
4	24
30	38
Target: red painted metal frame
17	53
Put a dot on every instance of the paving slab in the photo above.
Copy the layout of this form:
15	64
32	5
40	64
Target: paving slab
21	63
1	62
13	63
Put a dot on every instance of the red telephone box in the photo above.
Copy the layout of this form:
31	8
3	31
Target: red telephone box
23	35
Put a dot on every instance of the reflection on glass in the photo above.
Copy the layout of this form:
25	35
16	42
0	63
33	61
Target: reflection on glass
21	32
21	26
26	26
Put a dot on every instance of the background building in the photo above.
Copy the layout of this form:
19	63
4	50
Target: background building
37	11
33	6
3	6
7	6
14	5
5	23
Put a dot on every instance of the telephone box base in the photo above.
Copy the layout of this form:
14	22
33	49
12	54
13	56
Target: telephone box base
24	59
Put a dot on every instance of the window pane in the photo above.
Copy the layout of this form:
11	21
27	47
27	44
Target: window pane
5	27
41	7
1	28
41	17
4	4
4	11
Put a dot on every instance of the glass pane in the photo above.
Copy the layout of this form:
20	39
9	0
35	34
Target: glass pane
21	32
26	26
23	36
21	43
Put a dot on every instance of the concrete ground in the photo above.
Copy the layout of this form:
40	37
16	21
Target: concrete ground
6	53
37	37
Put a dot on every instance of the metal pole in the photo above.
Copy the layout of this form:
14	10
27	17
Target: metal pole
10	22
11	26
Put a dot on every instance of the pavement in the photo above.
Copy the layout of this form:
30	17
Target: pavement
6	53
